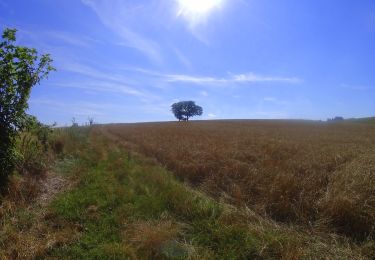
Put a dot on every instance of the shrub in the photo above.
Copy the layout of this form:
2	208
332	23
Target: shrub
21	68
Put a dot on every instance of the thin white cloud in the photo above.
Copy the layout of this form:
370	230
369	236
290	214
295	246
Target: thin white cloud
96	80
69	38
134	40
57	43
192	79
209	80
91	72
251	77
103	87
113	14
182	58
236	78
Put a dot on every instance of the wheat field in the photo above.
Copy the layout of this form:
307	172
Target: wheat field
317	175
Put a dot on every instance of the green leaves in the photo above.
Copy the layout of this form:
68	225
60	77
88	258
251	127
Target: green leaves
21	68
9	34
185	109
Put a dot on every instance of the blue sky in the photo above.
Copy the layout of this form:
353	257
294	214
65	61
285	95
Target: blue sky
129	60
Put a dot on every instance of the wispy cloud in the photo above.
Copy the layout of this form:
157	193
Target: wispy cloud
69	38
192	79
230	79
113	14
103	87
97	80
237	78
182	58
148	47
92	72
62	45
251	77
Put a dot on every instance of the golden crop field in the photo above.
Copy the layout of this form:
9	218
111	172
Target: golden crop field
315	174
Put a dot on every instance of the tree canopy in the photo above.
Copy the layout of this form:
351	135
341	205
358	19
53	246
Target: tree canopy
21	68
183	110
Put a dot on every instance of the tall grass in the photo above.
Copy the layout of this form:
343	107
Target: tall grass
20	233
313	174
129	207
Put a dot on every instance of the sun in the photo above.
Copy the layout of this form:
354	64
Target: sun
198	7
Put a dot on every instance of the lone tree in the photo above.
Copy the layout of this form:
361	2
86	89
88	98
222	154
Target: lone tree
21	68
185	109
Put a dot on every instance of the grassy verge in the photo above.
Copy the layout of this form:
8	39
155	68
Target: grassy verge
124	207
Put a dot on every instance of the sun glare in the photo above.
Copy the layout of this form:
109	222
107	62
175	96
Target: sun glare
195	9
198	6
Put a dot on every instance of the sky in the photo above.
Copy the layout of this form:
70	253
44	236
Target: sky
129	60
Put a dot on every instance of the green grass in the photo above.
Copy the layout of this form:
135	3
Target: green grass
125	208
106	201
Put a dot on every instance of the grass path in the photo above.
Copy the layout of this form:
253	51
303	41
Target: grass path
52	185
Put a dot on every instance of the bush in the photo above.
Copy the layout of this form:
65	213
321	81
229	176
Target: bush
21	68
